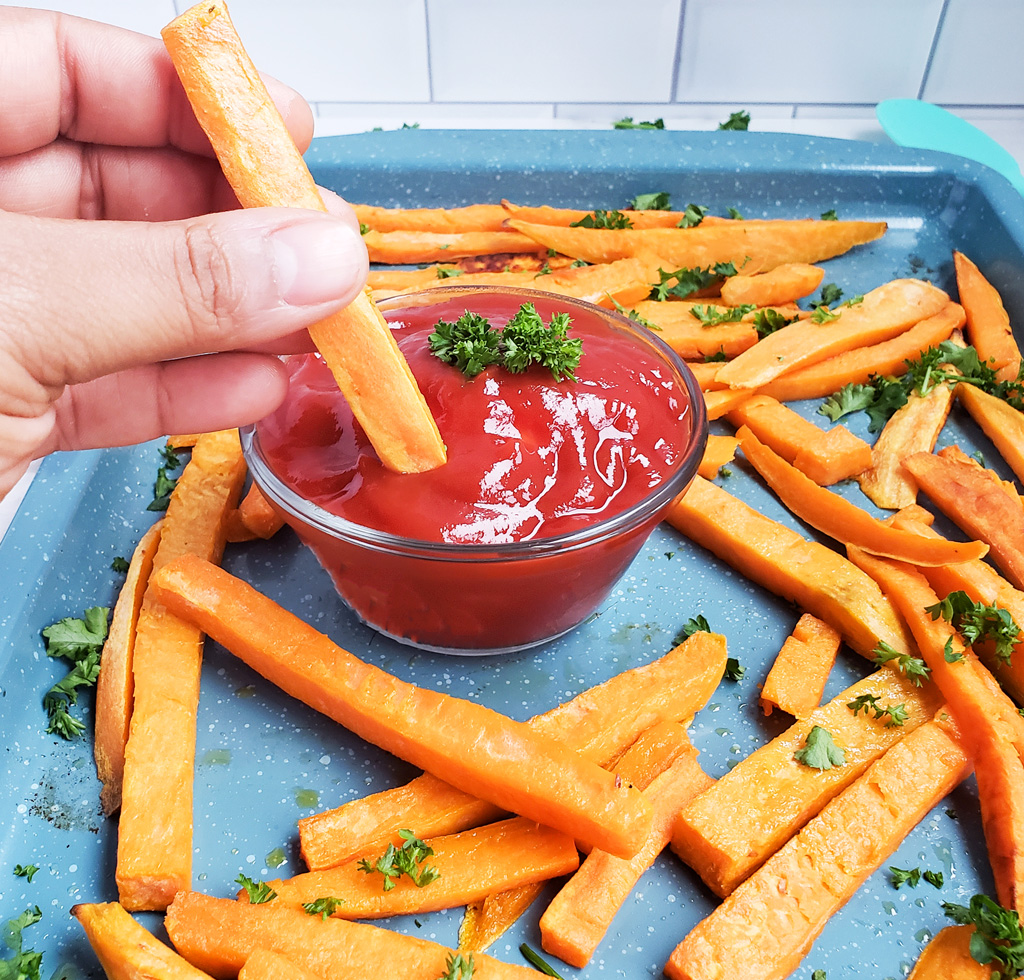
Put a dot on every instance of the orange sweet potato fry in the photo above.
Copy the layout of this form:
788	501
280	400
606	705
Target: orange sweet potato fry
254	518
826	456
783	284
265	964
884	313
154	843
816	578
504	762
475	217
988	324
845	521
766	926
115	684
770	796
1000	777
720	451
704	372
856	366
797	677
722	401
406	247
948	957
1000	421
264	168
546	215
754	246
185	440
126	950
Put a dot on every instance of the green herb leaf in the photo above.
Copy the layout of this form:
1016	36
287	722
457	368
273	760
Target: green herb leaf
733	670
850	398
737	120
690	281
324	907
914	667
934	878
626	122
119	565
406	860
830	295
976	621
822	314
692	216
611	220
80	642
820	751
717	357
998	937
258	891
26	871
658	201
538	962
443	273
77	639
713	316
698	624
632	314
829	215
734	214
458	967
819	975
901	876
165	483
25	963
767	321
363	229
526	340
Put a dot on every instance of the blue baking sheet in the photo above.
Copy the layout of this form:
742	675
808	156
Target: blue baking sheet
264	760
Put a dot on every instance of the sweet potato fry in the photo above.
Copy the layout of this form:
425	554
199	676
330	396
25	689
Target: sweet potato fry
407	247
845	521
722	401
154	844
769	795
474	217
797	677
705	373
754	246
578	917
824	455
884	313
115	684
1000	777
1000	421
472	864
218	935
816	578
126	950
988	325
265	964
766	926
783	284
504	762
264	168
720	451
254	518
856	366
600	724
975	499
688	337
948	957
564	217
185	440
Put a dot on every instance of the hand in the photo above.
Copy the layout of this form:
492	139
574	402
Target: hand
117	331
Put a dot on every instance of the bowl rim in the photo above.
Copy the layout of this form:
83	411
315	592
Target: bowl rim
655	501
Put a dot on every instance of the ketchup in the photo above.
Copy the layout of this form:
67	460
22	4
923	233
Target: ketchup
529	459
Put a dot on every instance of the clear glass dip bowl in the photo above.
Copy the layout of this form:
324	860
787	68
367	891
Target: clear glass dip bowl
487	598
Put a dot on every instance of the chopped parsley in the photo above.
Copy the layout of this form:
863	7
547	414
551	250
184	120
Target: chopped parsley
692	216
119	565
407	860
611	220
713	316
448	273
717	357
736	121
829	215
934	878
25	963
734	214
363	229
868	703
632	314
998	938
659	201
79	642
820	750
538	962
471	344
458	967
690	281
830	295
165	483
905	876
258	891
822	314
767	321
698	624
324	907
734	671
914	667
975	621
626	122
26	871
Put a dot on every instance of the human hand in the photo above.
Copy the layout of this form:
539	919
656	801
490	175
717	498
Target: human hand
157	321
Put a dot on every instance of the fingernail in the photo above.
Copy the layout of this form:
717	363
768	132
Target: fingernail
318	260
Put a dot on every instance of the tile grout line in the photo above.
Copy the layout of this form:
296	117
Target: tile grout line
931	50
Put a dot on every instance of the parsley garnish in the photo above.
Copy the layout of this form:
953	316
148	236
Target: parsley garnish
698	624
611	220
406	859
26	871
363	229
830	295
737	120
868	703
258	891
626	122
829	215
692	216
165	483
998	937
718	356
850	398
908	876
472	344
443	273
822	314
632	314
690	281
80	642
578	263
538	962
975	621
458	967
323	907
820	751
934	878
914	667
734	214
767	321
545	270
658	201
734	671
713	316
119	565
819	975
25	963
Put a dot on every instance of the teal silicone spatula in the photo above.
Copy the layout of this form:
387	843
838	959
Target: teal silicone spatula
911	122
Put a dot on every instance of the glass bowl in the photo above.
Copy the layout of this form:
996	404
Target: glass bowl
489	598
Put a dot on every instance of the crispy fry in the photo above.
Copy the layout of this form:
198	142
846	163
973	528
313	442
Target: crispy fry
254	518
988	325
474	217
405	247
720	451
1000	421
797	677
564	217
265	964
783	284
264	168
948	957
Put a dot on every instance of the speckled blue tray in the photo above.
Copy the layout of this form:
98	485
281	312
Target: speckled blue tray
264	760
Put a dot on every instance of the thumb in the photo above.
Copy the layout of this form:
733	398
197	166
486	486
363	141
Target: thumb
83	299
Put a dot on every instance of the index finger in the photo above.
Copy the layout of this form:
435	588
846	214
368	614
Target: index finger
66	76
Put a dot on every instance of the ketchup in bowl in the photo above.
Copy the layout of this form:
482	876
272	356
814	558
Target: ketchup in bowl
550	489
